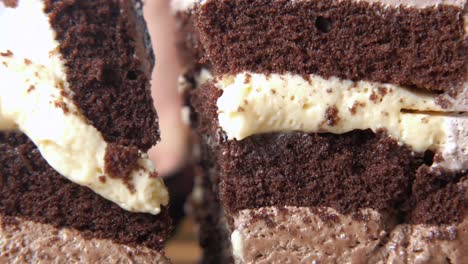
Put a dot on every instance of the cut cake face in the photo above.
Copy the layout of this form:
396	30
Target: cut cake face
76	122
330	131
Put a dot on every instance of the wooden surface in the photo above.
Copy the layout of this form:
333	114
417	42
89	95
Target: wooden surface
183	247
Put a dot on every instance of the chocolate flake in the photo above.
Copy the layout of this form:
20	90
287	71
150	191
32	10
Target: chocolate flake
8	53
120	161
355	107
247	79
62	105
31	88
382	91
374	97
331	116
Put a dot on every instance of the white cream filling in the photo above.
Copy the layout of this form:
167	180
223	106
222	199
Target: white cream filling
185	5
237	245
255	103
416	3
35	98
183	85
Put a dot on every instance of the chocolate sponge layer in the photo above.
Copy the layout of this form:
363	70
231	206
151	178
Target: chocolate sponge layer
424	48
109	61
30	189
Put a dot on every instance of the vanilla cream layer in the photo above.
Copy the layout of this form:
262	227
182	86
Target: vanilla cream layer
185	5
255	103
35	98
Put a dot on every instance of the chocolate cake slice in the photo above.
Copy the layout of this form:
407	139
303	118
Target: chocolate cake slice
76	121
330	131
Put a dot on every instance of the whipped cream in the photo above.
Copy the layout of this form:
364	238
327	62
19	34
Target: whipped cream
186	5
35	98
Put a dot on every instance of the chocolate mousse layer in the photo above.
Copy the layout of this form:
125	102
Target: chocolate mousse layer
31	190
358	169
24	241
109	60
357	40
305	235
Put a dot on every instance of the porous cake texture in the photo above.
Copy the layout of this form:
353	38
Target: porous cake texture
76	122
329	131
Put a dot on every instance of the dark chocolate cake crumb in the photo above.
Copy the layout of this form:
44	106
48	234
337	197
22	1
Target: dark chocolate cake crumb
8	53
331	116
32	190
355	107
31	88
102	179
109	76
424	48
374	97
59	104
120	161
382	91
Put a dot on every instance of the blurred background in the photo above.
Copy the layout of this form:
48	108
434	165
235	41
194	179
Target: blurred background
171	154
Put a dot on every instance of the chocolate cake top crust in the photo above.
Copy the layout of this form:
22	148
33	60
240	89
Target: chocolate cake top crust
32	190
107	71
423	48
358	169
